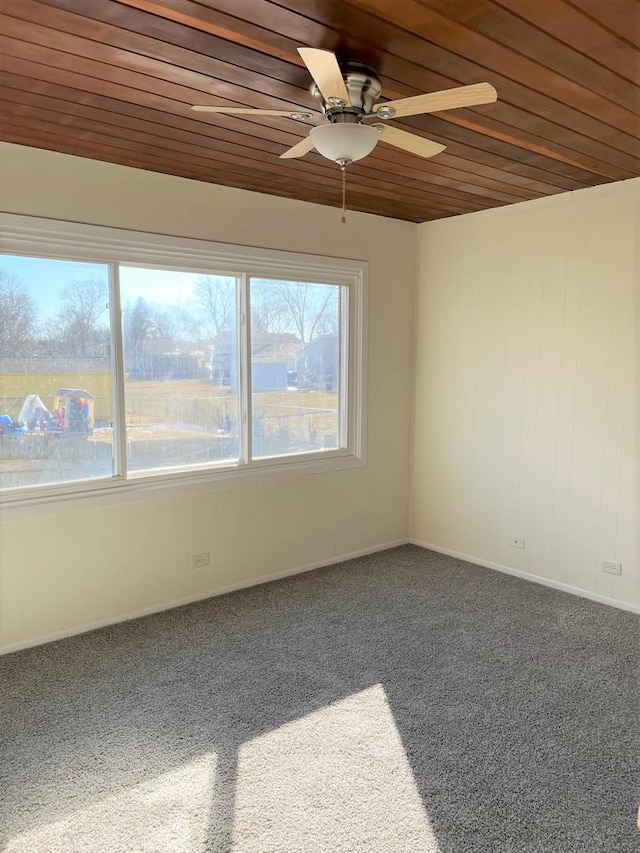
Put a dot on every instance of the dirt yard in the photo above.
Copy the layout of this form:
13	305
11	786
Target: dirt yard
174	405
176	423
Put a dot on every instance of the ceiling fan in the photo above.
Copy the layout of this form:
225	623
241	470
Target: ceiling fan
349	95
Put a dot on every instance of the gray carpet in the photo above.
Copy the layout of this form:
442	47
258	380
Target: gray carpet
400	702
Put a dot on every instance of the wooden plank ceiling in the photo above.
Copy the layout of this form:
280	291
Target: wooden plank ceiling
114	80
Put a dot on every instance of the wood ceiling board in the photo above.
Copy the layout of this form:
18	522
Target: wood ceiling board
619	16
164	30
508	182
218	24
60	22
63	68
121	76
229	142
513	149
15	1
104	105
208	82
512	32
563	21
435	83
96	82
415	24
589	156
511	93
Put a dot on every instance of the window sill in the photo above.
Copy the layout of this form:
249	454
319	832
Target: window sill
171	484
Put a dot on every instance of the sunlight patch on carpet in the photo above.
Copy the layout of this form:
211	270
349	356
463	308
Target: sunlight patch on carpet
170	812
335	780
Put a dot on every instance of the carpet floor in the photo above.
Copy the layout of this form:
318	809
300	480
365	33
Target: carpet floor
404	701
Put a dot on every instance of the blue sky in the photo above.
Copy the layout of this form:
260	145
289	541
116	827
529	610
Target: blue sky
44	280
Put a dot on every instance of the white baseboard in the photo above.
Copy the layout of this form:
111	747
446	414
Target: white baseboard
507	570
170	605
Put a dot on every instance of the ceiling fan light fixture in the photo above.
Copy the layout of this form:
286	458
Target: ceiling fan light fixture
344	143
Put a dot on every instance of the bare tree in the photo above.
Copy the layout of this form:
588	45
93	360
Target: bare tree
216	296
138	321
296	308
18	327
268	312
310	308
138	328
175	324
81	330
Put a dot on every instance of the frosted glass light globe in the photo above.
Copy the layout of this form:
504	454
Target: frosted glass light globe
344	143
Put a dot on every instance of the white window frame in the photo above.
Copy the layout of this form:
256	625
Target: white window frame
56	239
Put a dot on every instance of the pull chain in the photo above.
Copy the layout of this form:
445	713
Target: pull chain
344	194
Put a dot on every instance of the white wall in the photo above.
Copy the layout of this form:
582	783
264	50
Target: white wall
526	371
133	556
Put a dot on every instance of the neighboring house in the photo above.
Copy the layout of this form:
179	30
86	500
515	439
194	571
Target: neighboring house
317	363
273	358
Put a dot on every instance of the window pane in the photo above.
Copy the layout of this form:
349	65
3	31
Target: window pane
295	367
56	416
180	360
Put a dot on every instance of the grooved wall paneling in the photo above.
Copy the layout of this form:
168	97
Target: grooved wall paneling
526	399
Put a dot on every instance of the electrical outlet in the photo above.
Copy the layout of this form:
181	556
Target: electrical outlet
517	542
610	567
199	561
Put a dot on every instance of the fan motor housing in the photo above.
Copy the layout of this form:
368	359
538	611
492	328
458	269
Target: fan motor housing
364	89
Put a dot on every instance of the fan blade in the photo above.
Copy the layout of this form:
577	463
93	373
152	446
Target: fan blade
301	115
449	99
409	141
299	149
323	67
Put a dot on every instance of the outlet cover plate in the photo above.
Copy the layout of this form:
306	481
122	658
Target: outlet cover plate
610	567
517	542
199	561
